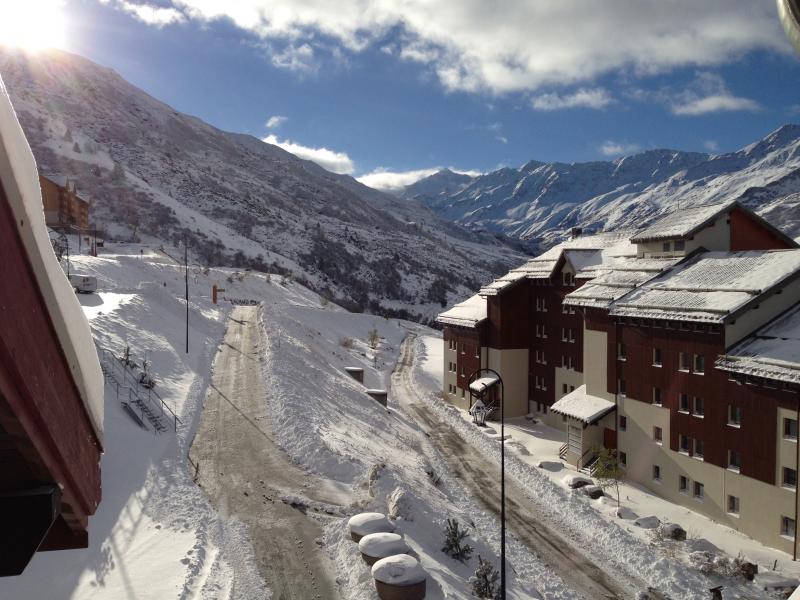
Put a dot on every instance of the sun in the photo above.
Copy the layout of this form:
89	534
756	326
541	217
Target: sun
32	24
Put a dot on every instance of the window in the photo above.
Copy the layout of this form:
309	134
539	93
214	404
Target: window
564	388
621	386
544	331
699	364
683	362
787	527
683	402
733	505
666	247
679	245
789	478
623	459
698	407
623	423
656	473
621	351
699	490
570	335
569	279
790	429
683	484
462	370
734	415
699	448
566	362
656	357
657	435
462	393
572	388
734	460
683	444
657	396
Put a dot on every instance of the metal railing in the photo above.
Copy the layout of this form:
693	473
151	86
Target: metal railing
150	404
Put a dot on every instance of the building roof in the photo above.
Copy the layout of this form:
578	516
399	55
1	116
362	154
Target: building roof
711	287
479	386
613	279
582	252
682	223
468	313
772	352
582	406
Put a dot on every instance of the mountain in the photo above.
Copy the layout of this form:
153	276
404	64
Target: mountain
540	202
154	173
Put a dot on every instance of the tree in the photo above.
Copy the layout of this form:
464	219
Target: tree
454	545
609	472
372	338
76	148
484	582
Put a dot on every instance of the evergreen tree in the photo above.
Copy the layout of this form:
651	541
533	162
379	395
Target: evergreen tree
485	581
454	545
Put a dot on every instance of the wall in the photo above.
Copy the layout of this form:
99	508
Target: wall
768	309
716	236
747	233
512	365
595	351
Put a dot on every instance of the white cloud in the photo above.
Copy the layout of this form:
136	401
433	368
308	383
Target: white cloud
384	179
516	45
295	58
583	98
158	16
707	93
337	162
276	121
611	148
711	145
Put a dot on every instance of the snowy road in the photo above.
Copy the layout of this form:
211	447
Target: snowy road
480	475
245	473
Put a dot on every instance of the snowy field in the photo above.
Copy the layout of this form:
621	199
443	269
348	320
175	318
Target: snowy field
539	457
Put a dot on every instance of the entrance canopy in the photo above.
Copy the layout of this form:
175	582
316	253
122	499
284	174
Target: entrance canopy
479	386
583	407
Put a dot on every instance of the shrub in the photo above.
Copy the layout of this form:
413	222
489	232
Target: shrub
485	581
346	342
454	545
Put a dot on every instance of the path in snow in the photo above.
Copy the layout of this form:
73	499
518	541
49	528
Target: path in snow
480	475
245	473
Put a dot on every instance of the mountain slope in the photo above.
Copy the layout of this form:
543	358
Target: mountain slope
153	172
541	201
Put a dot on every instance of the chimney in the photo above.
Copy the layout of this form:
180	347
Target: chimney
576	232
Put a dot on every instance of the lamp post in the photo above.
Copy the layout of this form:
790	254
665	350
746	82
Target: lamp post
480	382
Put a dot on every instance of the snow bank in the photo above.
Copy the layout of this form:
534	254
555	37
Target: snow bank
20	179
400	570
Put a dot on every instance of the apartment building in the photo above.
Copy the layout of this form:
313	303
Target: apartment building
678	330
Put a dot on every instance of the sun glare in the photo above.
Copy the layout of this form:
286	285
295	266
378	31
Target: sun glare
32	24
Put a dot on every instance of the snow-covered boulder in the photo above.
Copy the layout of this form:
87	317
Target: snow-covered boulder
366	523
399	504
650	522
673	531
593	491
575	481
399	577
375	546
517	447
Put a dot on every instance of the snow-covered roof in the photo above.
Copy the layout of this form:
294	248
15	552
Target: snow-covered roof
772	352
582	406
20	180
614	278
482	384
682	223
468	313
711	287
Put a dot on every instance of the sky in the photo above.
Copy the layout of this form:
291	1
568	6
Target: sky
389	91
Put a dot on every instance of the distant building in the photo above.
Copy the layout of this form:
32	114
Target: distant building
63	207
677	346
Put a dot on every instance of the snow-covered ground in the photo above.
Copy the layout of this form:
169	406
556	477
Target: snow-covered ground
541	445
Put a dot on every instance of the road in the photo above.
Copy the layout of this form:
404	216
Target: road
523	517
244	471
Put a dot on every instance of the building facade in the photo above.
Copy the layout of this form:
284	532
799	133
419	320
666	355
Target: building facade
63	207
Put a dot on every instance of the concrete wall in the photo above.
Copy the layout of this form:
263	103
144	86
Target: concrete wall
595	363
767	310
512	365
570	377
450	378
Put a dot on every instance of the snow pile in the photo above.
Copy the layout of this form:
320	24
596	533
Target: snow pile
381	545
400	570
368	523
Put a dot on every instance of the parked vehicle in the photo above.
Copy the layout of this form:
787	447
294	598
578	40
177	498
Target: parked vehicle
83	284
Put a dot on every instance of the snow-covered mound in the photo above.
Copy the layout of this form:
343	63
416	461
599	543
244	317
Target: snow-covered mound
400	570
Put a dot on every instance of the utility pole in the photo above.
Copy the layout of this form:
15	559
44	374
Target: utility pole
186	280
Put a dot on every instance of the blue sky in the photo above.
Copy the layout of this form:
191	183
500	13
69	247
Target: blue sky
366	89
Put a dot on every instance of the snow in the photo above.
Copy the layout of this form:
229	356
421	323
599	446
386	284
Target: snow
772	352
711	287
468	313
368	523
401	570
682	223
381	545
582	406
20	179
480	385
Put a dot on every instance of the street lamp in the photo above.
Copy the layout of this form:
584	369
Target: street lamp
482	382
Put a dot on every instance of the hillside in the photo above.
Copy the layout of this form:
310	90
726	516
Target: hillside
156	174
539	201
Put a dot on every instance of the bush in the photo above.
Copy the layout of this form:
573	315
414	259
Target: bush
454	545
372	338
346	342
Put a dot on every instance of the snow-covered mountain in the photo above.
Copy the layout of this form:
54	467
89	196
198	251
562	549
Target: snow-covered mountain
154	173
541	201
